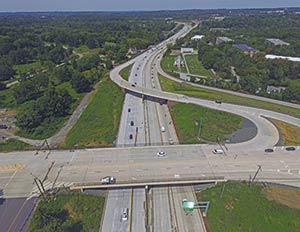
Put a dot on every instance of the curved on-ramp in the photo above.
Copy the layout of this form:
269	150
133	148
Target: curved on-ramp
267	133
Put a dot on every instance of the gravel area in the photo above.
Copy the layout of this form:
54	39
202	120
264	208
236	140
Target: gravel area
247	132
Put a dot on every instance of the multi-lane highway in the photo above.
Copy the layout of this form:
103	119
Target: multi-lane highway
135	160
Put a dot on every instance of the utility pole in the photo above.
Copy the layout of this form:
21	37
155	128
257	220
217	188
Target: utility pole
259	169
199	128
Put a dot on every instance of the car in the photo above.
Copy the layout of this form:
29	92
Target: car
133	85
124	214
218	101
136	74
163	129
218	151
131	123
129	110
108	180
290	148
130	136
269	150
171	142
161	154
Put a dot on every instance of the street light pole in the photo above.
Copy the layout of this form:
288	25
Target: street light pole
199	129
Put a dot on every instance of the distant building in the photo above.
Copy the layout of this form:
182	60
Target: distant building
220	40
246	49
274	89
277	42
197	37
187	50
219	29
178	62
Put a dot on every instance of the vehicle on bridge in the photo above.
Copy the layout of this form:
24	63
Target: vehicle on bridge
108	180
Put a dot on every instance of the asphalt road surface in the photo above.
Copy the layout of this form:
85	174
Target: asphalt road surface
15	214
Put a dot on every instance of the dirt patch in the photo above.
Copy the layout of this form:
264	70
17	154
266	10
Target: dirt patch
286	196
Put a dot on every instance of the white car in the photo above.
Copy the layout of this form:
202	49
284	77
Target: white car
108	180
218	151
161	154
124	214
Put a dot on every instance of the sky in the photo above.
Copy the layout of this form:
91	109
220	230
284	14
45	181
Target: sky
130	5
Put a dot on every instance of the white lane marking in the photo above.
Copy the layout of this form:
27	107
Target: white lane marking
12	176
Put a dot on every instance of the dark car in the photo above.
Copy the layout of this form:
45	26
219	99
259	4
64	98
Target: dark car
290	148
130	136
131	123
269	150
219	101
129	110
133	85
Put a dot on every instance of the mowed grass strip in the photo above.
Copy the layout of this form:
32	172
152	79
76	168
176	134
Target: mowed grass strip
68	212
126	72
99	123
196	67
13	145
239	207
199	92
188	118
290	134
167	64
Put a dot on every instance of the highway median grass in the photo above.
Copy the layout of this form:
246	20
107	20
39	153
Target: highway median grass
199	92
99	123
68	212
236	206
290	134
196	67
167	64
188	118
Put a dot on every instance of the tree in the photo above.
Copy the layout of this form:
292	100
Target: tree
80	83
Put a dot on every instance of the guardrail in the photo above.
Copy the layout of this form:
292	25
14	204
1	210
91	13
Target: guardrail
85	186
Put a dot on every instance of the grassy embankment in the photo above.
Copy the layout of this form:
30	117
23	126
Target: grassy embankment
13	145
196	67
167	64
252	208
188	118
290	134
72	212
171	86
99	123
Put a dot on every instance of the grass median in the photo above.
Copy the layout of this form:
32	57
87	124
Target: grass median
199	92
236	206
68	212
290	134
125	73
192	120
196	67
99	123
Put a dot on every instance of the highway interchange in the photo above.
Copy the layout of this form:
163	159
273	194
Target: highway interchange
135	157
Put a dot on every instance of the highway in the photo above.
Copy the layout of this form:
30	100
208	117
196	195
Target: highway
136	160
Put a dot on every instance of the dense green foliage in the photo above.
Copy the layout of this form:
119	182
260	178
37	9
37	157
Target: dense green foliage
47	57
72	212
257	72
192	119
99	123
239	207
